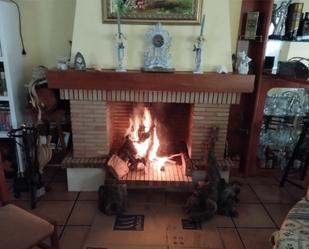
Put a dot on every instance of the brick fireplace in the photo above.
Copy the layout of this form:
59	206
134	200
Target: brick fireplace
102	102
92	119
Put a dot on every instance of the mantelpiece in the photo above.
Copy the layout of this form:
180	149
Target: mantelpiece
137	80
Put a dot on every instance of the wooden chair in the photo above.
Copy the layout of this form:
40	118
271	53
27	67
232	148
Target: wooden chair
20	229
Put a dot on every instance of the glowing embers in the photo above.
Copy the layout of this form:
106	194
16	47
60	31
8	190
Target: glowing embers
142	134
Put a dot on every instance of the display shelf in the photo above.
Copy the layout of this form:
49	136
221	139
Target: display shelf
282	40
12	61
4	98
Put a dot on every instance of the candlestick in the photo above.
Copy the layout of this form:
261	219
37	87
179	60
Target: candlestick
202	26
118	24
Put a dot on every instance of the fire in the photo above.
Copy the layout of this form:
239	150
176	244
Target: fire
143	135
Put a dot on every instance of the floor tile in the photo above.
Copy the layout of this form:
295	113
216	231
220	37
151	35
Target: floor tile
278	212
247	195
230	238
256	238
88	196
59	192
253	215
74	237
262	181
55	210
273	194
296	192
83	213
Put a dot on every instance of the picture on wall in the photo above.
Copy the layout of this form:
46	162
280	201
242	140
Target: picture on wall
154	11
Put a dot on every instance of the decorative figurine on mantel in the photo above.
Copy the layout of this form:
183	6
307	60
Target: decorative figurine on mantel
79	62
198	50
243	63
278	19
157	57
120	7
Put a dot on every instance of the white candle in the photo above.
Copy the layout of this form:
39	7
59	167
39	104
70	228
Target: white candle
202	26
118	23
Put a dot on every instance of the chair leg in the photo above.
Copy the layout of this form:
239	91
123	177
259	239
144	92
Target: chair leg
54	240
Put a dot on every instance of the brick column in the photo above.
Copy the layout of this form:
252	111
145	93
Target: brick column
89	128
205	116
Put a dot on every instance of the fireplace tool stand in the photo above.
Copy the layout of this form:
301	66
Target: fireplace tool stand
31	181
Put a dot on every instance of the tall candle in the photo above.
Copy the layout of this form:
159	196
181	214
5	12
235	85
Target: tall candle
118	23
202	26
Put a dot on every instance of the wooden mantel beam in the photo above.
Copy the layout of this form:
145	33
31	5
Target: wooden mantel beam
137	80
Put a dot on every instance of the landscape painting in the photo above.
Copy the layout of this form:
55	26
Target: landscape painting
153	11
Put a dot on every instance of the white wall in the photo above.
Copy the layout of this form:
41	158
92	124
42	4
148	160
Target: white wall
96	42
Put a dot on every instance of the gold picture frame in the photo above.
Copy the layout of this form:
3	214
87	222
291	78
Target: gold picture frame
187	12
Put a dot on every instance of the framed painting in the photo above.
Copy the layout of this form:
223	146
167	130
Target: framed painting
154	11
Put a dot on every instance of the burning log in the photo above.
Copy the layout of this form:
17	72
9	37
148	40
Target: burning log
117	167
186	160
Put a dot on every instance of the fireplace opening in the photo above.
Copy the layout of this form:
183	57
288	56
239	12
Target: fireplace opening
171	123
150	136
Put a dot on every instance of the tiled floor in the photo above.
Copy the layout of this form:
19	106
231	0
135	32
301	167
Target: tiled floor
263	206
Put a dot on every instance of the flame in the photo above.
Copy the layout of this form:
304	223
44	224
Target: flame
157	161
145	139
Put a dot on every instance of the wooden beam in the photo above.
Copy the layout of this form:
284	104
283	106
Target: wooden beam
137	80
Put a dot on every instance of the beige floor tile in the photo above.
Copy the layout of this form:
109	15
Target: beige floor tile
55	210
230	238
88	196
247	195
83	213
59	192
278	212
154	233
256	238
273	194
252	215
74	237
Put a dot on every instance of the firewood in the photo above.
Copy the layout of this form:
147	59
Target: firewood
117	167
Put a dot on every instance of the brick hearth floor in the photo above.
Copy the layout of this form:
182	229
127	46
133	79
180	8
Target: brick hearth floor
262	207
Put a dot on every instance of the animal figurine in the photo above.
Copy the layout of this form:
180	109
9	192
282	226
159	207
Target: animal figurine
213	195
113	199
243	63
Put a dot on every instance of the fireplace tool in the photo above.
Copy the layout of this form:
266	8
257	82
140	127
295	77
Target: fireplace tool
31	180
